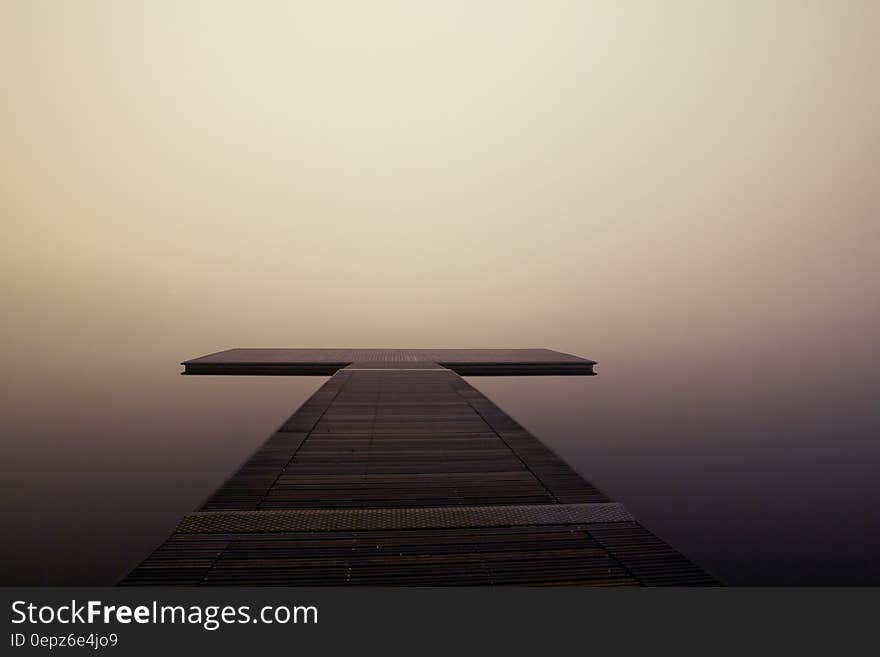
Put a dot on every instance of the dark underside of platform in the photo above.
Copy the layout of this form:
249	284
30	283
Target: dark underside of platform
400	472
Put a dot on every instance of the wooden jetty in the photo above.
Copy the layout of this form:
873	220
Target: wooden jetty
399	472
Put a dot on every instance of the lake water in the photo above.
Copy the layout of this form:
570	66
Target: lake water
761	469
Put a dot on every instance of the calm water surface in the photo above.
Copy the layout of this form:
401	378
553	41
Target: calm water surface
763	469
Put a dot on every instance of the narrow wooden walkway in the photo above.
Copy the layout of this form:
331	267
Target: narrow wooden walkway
398	471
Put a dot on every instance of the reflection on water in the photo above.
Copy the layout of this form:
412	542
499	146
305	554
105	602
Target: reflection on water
760	476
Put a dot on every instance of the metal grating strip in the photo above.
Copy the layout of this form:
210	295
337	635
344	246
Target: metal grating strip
288	520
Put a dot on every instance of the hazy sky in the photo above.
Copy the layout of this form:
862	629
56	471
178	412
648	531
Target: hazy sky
561	174
686	191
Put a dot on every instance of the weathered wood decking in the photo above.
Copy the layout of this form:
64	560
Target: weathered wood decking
397	471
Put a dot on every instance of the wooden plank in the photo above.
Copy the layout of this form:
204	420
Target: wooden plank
531	555
431	425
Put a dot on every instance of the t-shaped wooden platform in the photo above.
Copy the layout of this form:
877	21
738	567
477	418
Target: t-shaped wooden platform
467	362
397	471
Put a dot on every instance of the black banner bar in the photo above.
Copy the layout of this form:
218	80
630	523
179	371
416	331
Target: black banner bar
389	621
